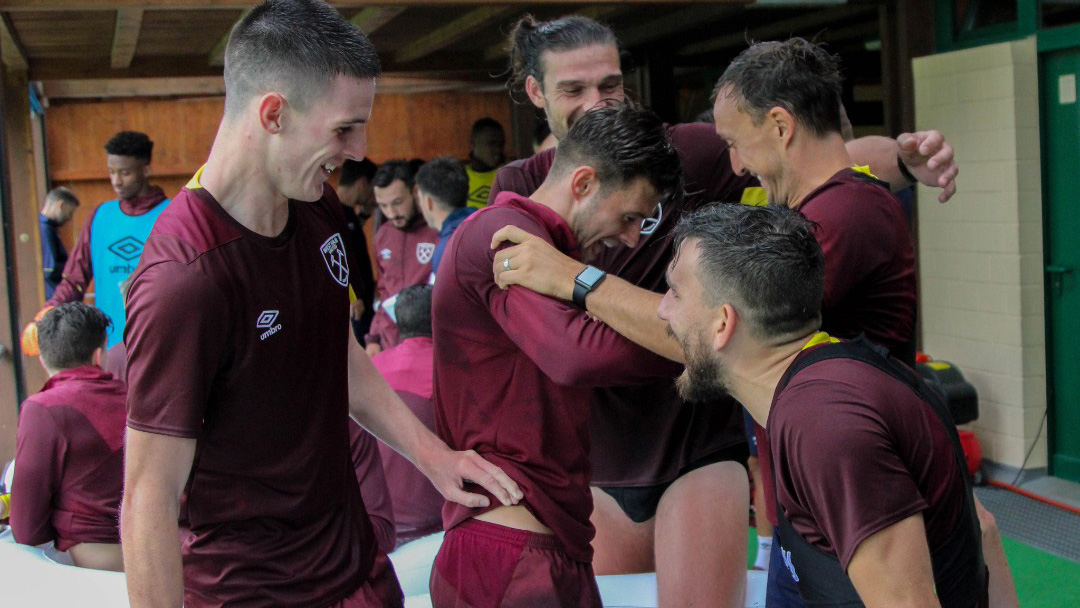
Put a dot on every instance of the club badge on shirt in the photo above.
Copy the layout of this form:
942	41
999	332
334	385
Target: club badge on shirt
424	251
333	252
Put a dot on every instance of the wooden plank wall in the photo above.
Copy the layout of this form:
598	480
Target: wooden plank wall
403	126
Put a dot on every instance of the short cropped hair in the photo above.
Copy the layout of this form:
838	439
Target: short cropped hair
353	170
445	179
398	168
766	261
69	333
413	311
530	38
797	75
295	47
622	143
62	195
486	123
135	144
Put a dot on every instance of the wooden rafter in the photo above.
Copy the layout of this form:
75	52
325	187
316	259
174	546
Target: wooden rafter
769	31
674	23
598	13
217	54
11	48
450	33
373	17
126	36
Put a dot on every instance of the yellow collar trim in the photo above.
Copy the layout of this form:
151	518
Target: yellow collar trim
194	183
819	338
864	169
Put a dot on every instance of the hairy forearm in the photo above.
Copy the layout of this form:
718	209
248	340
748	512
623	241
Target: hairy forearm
631	311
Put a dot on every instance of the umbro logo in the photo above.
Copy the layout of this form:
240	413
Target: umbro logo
266	321
480	195
127	248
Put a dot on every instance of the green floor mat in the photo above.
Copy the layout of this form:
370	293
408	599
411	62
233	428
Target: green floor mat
1043	580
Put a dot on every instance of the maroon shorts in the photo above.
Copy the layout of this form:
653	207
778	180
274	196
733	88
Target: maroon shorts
484	565
381	590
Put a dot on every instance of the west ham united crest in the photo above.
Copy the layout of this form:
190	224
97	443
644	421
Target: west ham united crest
333	253
424	251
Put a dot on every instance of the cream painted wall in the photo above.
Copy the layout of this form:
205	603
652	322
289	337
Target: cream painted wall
980	255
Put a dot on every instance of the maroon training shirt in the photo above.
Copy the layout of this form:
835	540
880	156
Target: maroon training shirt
408	369
513	369
869	270
869	259
403	258
71	460
644	435
239	341
79	270
856	451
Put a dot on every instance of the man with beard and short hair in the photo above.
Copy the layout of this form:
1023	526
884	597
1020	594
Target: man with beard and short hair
874	501
404	247
672	472
513	368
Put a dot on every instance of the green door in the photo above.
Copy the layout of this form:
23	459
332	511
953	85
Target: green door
1061	193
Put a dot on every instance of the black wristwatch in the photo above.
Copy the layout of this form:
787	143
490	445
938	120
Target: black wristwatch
585	282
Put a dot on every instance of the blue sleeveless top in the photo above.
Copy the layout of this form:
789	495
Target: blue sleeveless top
116	242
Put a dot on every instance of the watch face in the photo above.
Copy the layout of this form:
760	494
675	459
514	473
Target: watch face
590	275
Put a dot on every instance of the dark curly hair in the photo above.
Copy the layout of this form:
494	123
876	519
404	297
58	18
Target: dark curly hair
622	143
130	143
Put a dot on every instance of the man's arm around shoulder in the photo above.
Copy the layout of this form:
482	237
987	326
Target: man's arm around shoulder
156	469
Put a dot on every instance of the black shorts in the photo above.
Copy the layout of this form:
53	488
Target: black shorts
640	503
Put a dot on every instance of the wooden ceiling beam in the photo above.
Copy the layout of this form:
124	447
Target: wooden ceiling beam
126	36
217	54
776	29
11	48
206	86
450	33
674	23
374	17
599	12
97	5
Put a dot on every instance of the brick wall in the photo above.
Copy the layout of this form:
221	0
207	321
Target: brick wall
980	255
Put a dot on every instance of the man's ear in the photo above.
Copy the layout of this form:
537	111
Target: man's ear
272	112
584	182
535	91
724	326
782	124
98	356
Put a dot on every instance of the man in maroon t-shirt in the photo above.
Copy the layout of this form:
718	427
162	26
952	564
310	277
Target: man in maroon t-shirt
241	364
408	369
70	444
870	474
404	246
567	66
513	367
